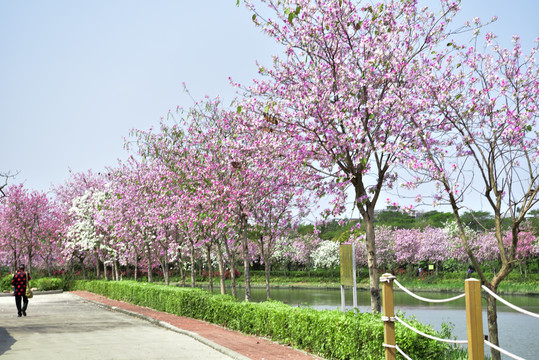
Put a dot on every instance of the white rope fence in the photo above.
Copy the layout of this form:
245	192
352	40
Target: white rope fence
398	349
430	336
390	278
505	352
426	299
473	313
514	307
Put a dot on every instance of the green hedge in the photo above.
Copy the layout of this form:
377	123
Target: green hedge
42	284
331	334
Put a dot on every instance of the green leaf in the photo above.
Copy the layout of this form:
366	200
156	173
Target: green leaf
291	17
238	110
254	17
458	96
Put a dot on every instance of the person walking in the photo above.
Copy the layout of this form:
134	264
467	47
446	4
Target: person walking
19	282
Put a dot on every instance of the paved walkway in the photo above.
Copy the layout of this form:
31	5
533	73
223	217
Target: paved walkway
93	327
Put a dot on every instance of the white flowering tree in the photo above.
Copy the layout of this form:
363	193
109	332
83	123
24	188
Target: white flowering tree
83	235
327	255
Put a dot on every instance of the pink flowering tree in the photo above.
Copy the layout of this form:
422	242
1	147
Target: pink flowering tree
485	140
5	176
345	87
29	228
526	248
302	249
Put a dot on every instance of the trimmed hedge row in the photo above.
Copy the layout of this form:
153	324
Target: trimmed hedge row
42	284
331	334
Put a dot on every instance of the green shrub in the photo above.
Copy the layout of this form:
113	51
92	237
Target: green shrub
5	283
44	284
329	333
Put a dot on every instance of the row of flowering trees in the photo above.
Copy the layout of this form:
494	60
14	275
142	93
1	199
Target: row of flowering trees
402	248
36	231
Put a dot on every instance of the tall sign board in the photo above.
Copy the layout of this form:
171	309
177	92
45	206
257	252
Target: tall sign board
348	272
347	269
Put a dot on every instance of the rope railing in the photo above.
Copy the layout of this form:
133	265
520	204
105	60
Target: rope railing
430	336
390	318
514	307
474	321
505	352
426	299
398	349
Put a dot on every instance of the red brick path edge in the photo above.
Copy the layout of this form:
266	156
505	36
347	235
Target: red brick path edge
252	347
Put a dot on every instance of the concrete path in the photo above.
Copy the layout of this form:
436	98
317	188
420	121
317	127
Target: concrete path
66	326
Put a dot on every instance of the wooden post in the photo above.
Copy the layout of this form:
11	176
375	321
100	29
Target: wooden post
388	316
474	320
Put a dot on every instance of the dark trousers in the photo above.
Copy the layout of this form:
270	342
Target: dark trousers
18	299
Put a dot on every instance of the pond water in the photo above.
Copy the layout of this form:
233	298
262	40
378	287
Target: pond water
517	332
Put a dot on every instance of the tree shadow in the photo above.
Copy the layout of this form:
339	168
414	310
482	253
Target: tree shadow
6	341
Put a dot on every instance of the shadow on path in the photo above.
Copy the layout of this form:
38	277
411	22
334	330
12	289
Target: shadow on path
6	341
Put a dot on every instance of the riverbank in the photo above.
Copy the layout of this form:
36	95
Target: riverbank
446	283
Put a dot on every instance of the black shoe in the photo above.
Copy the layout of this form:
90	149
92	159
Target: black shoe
24	313
20	314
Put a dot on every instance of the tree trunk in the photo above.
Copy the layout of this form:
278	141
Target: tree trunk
136	267
245	254
221	269
105	271
231	256
15	263
182	273
166	270
246	270
374	281
492	319
210	268
149	256
267	269
192	255
233	281
83	270
116	270
29	265
98	275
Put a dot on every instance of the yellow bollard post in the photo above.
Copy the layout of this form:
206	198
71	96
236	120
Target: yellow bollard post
474	320
388	316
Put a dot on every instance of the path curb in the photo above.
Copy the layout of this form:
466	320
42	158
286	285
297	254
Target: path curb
47	292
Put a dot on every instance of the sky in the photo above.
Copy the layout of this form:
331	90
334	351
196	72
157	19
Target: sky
77	76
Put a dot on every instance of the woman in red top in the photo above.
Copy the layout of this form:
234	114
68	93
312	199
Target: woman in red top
19	290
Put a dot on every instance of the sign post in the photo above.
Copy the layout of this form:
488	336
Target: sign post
348	272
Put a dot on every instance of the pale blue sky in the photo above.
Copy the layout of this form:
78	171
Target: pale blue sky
76	76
